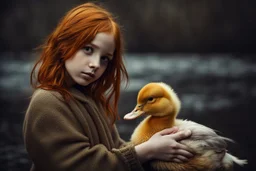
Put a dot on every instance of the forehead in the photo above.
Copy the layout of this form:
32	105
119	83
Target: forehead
104	41
151	90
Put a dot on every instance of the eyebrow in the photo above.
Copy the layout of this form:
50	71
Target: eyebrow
95	46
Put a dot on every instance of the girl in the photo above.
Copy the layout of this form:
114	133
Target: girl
69	124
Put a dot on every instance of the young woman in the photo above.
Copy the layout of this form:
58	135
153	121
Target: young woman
69	124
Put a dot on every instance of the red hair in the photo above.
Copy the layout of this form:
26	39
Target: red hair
76	29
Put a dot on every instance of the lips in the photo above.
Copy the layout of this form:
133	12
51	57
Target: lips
88	74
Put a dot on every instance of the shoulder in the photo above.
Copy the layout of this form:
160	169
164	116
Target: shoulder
41	93
47	105
46	96
46	99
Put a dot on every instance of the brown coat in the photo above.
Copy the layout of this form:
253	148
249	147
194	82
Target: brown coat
74	137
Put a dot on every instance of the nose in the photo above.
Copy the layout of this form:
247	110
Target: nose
94	63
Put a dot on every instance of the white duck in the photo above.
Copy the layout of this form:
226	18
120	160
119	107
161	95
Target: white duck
161	105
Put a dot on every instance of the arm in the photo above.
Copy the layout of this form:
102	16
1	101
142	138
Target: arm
55	141
163	145
119	142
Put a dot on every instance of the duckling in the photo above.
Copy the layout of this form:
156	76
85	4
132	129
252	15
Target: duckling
160	103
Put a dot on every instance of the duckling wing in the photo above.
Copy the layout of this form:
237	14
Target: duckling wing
203	138
209	146
209	149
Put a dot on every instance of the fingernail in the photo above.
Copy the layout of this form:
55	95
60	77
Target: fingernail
175	127
188	132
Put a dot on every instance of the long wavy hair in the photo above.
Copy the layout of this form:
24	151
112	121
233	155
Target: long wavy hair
78	28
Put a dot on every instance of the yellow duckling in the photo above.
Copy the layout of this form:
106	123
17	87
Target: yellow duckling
161	105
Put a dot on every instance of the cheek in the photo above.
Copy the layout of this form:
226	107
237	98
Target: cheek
101	71
104	68
67	66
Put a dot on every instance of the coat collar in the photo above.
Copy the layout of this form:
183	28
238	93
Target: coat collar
77	94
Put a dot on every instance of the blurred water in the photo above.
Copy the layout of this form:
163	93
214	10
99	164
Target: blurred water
221	71
216	90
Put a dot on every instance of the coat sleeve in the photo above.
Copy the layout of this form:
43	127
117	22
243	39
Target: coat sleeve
55	141
119	142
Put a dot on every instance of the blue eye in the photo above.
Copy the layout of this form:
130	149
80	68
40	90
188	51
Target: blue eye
88	49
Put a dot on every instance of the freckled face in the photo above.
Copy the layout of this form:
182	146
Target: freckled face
89	63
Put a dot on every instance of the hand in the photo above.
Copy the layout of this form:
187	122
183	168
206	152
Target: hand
164	146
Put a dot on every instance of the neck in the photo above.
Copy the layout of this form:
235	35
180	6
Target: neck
160	123
151	125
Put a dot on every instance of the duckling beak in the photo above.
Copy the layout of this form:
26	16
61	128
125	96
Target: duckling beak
134	114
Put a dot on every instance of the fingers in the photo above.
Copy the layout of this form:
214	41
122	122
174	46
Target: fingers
169	148
180	159
184	153
182	147
181	135
169	131
177	158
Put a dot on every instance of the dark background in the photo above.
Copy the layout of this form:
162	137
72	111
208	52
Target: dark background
204	49
149	25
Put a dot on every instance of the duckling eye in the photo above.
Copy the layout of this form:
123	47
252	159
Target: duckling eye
150	99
